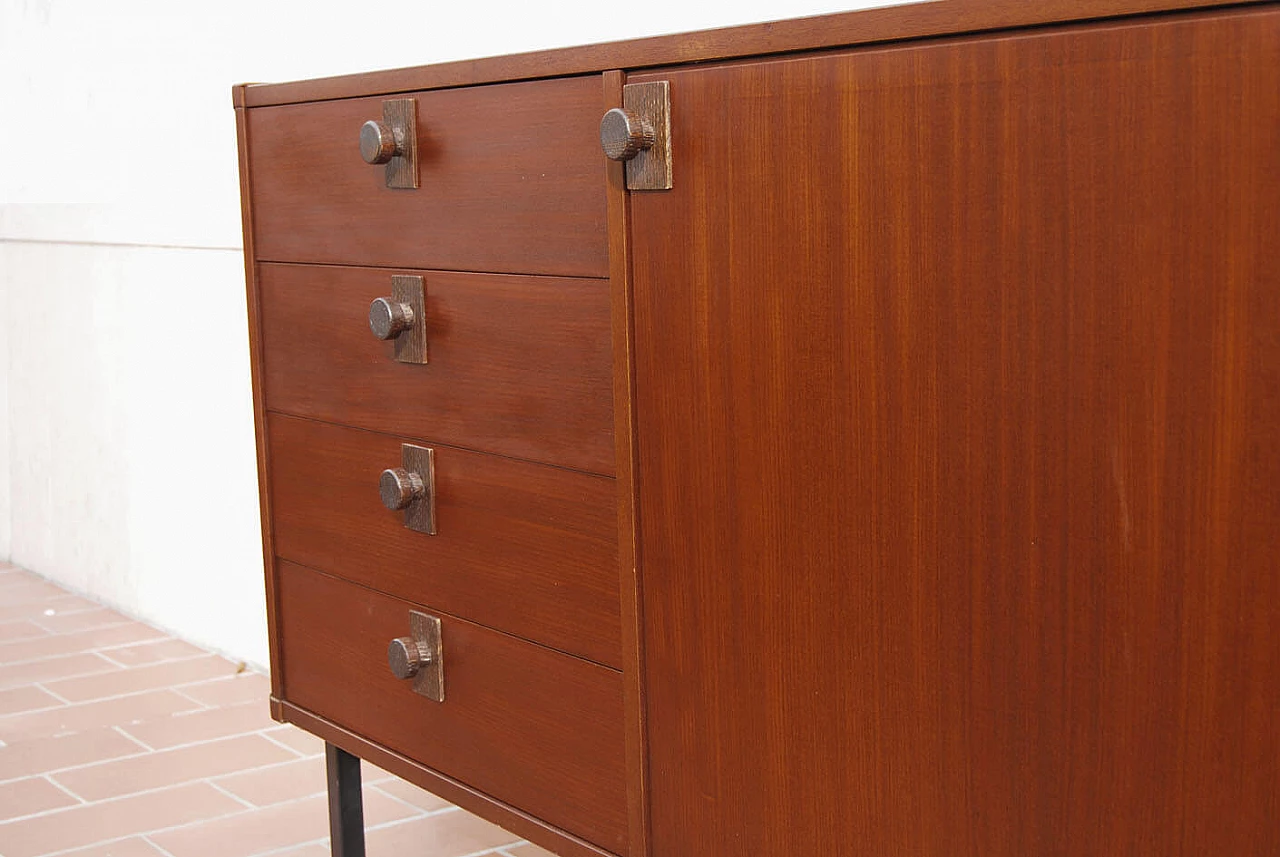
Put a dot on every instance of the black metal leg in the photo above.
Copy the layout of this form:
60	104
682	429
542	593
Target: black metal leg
346	805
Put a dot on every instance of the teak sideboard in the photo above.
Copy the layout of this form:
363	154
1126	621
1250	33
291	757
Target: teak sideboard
856	435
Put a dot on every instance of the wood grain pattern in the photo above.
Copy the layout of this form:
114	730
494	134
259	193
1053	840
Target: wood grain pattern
524	548
957	397
502	814
864	27
509	174
533	728
253	303
624	432
519	366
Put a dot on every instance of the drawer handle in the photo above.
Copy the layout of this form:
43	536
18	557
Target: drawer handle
405	657
639	133
411	487
388	318
379	143
420	656
402	317
393	141
400	488
624	134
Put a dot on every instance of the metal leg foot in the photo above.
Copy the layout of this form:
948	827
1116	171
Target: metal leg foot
346	806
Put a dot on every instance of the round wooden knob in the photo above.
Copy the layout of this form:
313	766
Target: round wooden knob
623	134
388	318
406	657
378	142
400	487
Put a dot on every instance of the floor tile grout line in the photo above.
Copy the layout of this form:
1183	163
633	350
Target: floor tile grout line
94	803
323	840
35	619
143	744
207	657
106	651
101	651
132	835
121	620
46	635
39	686
260	732
369	829
16	599
28	683
487	851
192	699
422	813
396	822
264	734
145	792
75	848
61	787
268	767
77	612
118	668
66	590
110	660
203	656
158	663
149	641
164	851
173	688
27	711
191	824
92	649
233	796
144	753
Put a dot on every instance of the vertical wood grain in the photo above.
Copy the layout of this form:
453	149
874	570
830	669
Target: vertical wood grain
957	395
259	405
624	446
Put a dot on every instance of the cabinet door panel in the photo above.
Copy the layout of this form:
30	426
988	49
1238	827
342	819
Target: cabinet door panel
957	398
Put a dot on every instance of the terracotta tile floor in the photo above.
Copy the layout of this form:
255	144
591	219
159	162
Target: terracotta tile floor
117	740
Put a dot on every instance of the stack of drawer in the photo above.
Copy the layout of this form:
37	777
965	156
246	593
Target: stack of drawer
507	232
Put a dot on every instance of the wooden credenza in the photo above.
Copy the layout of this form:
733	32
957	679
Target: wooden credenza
902	480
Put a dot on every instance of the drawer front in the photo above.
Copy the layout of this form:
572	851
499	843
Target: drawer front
531	727
511	180
519	366
525	548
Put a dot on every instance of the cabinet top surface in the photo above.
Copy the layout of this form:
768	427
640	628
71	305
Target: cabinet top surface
845	29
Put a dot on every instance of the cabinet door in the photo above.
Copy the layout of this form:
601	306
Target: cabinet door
958	415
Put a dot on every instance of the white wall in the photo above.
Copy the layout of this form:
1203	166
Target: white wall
126	444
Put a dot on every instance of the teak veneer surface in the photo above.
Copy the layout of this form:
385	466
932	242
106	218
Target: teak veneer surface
535	728
510	183
957	397
520	366
525	548
845	29
947	383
